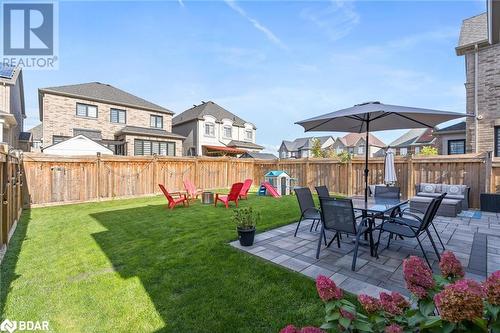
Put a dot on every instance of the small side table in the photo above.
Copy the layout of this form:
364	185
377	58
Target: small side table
207	198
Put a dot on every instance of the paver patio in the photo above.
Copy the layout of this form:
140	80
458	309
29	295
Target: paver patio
475	242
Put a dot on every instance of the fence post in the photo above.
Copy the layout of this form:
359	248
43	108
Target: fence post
411	179
488	182
349	178
98	177
308	181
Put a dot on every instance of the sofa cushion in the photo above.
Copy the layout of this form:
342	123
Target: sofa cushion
428	188
454	189
428	195
456	197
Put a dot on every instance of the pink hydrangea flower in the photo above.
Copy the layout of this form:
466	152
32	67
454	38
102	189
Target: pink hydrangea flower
327	290
492	288
393	328
369	304
462	300
418	276
289	329
450	266
311	329
394	304
347	314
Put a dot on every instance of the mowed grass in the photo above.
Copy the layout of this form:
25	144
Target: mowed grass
134	266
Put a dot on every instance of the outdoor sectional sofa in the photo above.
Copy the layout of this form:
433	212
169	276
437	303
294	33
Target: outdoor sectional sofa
456	200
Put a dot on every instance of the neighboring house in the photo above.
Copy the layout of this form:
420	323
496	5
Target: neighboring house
479	43
78	145
412	141
301	147
209	129
260	156
36	138
355	144
451	140
12	112
122	122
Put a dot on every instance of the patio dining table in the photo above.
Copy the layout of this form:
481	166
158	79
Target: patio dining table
373	207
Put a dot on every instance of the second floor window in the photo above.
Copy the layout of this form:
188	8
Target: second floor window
156	121
86	110
118	116
403	151
456	147
228	133
249	134
209	129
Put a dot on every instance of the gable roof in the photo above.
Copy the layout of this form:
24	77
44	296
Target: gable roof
412	137
474	30
244	144
100	92
67	147
303	143
36	132
458	127
351	139
207	109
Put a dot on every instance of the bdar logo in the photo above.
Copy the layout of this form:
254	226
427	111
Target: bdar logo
8	326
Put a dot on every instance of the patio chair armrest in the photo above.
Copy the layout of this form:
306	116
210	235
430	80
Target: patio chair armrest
416	217
401	222
178	194
412	210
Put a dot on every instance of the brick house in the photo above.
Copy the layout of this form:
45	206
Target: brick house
411	142
450	140
479	44
302	147
355	144
122	122
211	130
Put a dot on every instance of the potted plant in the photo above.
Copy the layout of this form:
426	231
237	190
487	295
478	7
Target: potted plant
246	219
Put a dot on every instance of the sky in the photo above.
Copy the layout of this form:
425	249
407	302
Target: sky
270	62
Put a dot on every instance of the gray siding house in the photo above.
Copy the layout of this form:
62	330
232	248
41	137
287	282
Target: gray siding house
479	44
12	111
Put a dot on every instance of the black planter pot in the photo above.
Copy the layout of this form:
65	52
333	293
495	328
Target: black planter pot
246	236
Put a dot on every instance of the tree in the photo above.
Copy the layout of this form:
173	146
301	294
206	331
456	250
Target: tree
316	149
428	151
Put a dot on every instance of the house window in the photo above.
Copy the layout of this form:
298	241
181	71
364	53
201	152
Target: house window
417	150
456	147
228	132
36	144
86	110
209	129
497	141
361	150
156	121
147	147
249	135
403	151
118	116
59	138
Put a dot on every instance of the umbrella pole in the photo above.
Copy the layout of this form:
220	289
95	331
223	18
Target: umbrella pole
366	157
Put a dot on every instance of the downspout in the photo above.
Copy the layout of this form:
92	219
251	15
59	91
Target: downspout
476	104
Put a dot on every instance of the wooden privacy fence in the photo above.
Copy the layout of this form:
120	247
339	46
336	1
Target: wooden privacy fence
11	183
56	180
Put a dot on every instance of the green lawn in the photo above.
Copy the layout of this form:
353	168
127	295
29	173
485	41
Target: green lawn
133	266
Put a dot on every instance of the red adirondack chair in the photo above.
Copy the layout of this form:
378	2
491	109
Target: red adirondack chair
233	195
192	191
172	202
244	190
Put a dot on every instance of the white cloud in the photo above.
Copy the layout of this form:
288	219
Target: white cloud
336	20
257	25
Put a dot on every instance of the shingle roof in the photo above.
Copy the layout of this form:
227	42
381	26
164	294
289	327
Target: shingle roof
244	144
149	132
207	109
36	132
413	136
303	143
351	139
101	92
262	156
474	30
461	126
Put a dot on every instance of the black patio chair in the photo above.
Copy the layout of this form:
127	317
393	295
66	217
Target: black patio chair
401	227
308	210
322	191
388	192
337	215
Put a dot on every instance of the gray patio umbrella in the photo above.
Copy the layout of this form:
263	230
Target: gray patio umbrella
375	116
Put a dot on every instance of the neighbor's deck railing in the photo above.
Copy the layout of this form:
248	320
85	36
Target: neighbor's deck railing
57	180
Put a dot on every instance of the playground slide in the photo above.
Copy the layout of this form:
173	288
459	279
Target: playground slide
271	189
